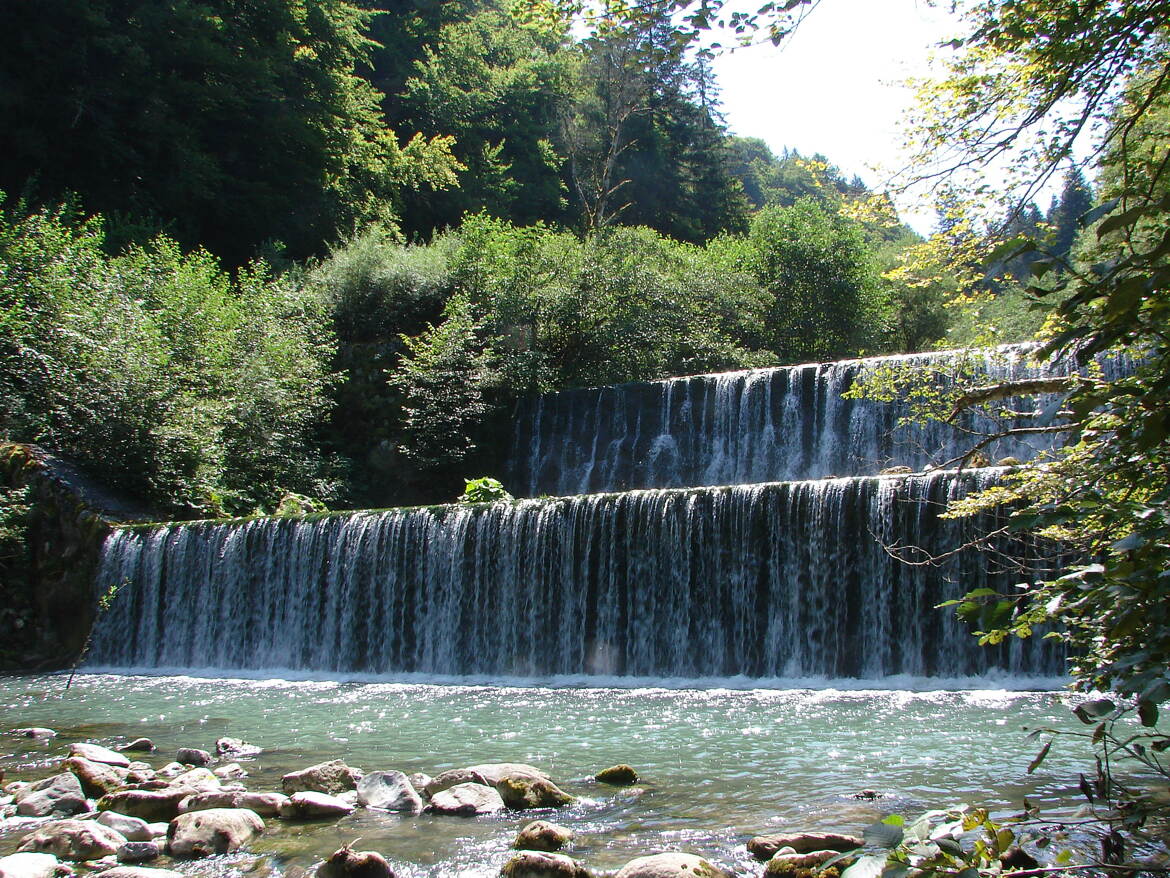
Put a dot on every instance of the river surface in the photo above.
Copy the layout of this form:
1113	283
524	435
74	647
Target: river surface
718	764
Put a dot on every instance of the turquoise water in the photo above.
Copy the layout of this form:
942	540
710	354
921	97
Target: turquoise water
718	764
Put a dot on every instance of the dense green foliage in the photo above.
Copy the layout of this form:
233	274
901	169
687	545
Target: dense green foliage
155	369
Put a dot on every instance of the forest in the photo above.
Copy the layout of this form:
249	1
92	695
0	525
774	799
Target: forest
320	247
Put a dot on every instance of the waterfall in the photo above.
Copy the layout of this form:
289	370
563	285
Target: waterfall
755	426
779	580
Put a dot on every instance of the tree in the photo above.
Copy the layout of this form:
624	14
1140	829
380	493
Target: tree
228	123
825	298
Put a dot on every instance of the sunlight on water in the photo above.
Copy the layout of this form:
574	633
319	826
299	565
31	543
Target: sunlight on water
718	764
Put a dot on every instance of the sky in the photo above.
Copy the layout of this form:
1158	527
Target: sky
837	85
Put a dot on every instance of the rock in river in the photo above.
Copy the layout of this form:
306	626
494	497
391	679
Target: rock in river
33	866
326	777
389	791
94	753
346	863
74	840
60	794
217	831
466	800
540	835
523	791
670	865
539	864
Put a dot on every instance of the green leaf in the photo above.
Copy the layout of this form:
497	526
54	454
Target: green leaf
1091	711
883	834
866	867
1148	713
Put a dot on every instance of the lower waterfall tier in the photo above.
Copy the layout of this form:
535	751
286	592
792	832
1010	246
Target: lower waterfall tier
779	580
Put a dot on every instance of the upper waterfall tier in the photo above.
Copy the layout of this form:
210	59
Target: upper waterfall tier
743	427
772	580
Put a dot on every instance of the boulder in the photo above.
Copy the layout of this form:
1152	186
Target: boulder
539	864
138	872
764	847
138	745
234	748
895	471
326	777
420	781
35	732
492	772
264	804
193	756
540	835
310	805
453	777
210	799
134	828
158	830
60	794
150	805
94	753
97	778
32	866
522	791
231	771
197	778
803	865
171	769
466	800
388	791
218	831
670	865
617	775
346	863
74	840
139	851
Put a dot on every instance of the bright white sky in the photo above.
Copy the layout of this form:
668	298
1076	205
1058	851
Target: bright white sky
836	86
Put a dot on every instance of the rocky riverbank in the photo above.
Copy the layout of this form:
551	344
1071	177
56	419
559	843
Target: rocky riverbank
108	810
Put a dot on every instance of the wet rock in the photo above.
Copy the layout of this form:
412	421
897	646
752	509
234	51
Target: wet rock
171	769
419	780
264	804
218	831
59	794
670	865
868	795
97	778
150	805
453	777
210	799
74	840
540	835
493	772
193	756
231	771
138	852
388	791
539	864
346	863
764	847
466	800
617	775
234	748
33	866
133	828
311	805
326	777
138	872
198	778
94	753
804	865
525	791
138	745
34	732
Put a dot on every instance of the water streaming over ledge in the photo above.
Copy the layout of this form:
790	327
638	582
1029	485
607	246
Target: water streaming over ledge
769	580
759	425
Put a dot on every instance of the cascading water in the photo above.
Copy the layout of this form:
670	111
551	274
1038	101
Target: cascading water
768	580
755	426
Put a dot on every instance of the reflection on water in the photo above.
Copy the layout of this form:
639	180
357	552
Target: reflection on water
718	765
